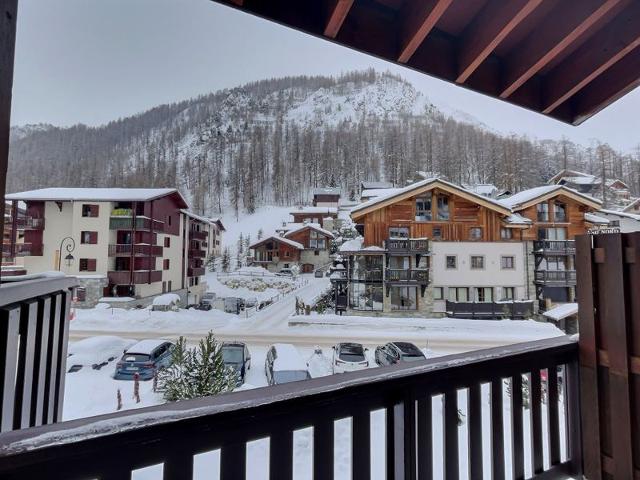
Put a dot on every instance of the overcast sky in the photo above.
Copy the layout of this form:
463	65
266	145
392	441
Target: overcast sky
91	61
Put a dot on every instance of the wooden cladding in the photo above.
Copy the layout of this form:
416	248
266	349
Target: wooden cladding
574	218
609	318
34	326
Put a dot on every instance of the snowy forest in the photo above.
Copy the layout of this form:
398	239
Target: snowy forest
271	142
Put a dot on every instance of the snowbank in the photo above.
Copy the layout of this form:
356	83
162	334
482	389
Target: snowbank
167	299
95	350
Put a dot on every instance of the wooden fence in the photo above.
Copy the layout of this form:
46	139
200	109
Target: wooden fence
608	293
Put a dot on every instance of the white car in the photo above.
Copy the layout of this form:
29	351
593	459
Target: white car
349	357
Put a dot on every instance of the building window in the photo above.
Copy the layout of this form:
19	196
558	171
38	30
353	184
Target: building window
477	262
87	265
164	286
423	209
506	233
543	212
443	207
451	262
437	233
81	294
508	263
165	264
167	242
399	232
313	234
169	220
614	223
458	294
287	253
365	296
438	293
169	287
90	210
554	263
404	298
475	233
89	237
508	293
552	233
559	212
484	294
316	252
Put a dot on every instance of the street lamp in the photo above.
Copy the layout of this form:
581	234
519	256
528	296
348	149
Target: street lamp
70	247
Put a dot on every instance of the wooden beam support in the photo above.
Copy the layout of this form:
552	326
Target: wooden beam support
338	11
492	25
8	16
564	26
594	57
613	84
418	17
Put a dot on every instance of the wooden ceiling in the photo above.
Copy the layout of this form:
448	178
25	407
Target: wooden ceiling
567	59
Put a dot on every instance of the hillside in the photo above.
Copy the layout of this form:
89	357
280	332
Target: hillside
271	142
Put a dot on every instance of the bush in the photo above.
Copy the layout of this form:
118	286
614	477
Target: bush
195	372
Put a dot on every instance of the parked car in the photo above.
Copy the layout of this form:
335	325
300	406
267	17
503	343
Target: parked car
318	274
204	306
348	357
233	305
144	358
286	271
396	352
250	302
236	355
284	364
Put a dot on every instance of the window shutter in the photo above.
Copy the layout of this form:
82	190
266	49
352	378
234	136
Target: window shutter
95	209
93	237
91	264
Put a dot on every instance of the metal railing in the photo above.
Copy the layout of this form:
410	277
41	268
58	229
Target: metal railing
198	235
490	310
138	249
141	223
139	277
26	223
412	245
196	253
554	247
111	446
22	250
555	277
195	271
407	275
34	327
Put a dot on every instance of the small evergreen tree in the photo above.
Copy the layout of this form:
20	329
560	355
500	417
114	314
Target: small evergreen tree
211	263
226	260
196	372
352	194
260	234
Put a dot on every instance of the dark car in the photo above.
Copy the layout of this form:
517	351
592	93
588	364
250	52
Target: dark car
396	352
144	358
236	355
204	306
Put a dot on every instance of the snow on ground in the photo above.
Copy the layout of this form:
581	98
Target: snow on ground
250	282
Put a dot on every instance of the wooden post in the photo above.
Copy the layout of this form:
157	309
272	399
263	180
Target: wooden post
8	17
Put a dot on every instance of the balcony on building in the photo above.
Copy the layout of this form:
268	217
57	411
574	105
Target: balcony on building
137	277
419	276
196	253
128	249
514	310
26	222
198	235
557	278
195	271
22	250
409	246
554	247
120	220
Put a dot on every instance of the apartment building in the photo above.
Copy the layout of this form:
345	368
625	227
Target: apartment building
435	248
127	244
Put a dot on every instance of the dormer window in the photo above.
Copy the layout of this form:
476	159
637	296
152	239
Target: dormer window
559	212
423	209
543	212
443	207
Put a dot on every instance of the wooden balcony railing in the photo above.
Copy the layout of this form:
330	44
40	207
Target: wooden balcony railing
142	223
366	275
554	247
195	271
34	327
410	245
198	235
196	253
561	278
22	250
139	277
125	249
26	223
490	310
111	446
407	275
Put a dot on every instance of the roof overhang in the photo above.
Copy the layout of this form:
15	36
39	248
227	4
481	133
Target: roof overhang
560	191
567	60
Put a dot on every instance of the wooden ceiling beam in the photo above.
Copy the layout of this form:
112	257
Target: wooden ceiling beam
490	27
617	81
597	55
562	27
338	11
418	18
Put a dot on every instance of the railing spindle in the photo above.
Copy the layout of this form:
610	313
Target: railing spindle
281	455
475	432
323	449
516	420
535	398
52	359
26	353
497	430
361	446
233	461
451	455
178	466
554	425
425	438
9	328
41	352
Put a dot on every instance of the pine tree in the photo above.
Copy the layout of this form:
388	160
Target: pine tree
260	234
211	263
196	372
226	260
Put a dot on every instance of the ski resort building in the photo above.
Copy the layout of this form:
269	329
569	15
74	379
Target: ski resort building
434	247
614	191
123	244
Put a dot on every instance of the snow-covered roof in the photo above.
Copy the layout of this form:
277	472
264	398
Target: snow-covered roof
146	347
632	205
278	238
517	219
288	358
595	219
562	311
327	191
375	185
200	218
167	299
314	226
484	189
352	245
96	194
420	184
521	198
315	210
378	192
622	214
583	180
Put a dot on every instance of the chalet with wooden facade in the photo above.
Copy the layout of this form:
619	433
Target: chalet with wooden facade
119	242
327	197
434	247
326	217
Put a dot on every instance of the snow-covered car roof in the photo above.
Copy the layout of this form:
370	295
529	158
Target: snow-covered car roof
288	358
146	347
167	299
